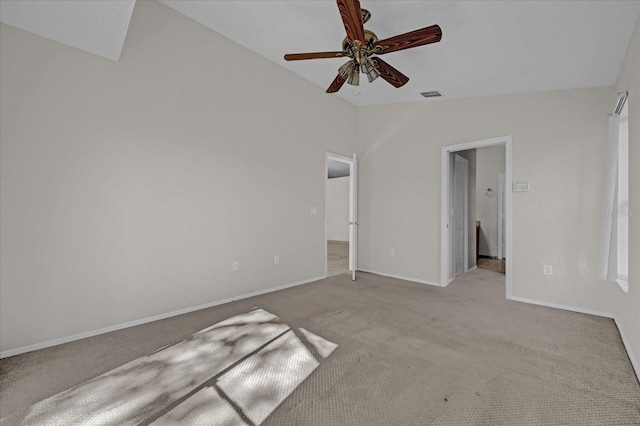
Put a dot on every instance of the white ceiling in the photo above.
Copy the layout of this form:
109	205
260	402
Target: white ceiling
99	27
488	47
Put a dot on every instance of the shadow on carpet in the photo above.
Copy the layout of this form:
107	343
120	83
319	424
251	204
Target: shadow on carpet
232	373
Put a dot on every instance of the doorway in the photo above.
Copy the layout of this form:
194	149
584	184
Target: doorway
448	215
340	225
490	166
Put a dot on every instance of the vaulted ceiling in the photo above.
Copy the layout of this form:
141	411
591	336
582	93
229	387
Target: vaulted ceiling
488	47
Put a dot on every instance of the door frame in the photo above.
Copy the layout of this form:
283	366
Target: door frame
505	141
501	189
329	156
465	216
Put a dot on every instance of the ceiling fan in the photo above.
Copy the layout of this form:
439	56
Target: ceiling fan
360	45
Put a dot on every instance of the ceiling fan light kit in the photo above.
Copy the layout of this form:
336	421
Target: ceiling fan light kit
369	68
360	45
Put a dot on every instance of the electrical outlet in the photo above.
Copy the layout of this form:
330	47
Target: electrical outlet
276	260
313	210
235	265
392	252
547	269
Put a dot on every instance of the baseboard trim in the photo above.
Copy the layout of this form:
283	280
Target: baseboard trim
625	341
12	352
563	307
415	280
84	335
474	267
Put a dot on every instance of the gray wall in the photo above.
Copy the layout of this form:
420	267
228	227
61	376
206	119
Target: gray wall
558	144
627	308
129	187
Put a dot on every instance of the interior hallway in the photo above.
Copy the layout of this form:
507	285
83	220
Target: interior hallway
495	265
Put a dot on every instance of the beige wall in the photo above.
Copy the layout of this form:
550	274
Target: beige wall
338	209
129	187
490	161
559	140
627	306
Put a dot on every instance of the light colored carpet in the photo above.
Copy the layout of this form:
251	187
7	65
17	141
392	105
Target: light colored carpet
230	373
408	354
337	257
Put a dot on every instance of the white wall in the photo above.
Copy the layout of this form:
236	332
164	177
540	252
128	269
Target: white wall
627	306
490	161
128	188
558	143
338	209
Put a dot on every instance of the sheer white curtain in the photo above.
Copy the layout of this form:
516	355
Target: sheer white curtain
613	256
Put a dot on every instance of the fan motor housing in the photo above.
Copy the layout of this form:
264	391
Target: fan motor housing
369	38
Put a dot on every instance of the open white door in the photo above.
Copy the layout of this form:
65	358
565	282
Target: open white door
501	217
461	214
353	219
336	161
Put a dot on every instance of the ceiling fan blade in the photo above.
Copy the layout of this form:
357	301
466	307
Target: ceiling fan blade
352	19
313	55
390	74
427	35
336	84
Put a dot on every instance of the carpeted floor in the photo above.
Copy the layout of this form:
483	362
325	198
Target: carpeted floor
408	354
229	373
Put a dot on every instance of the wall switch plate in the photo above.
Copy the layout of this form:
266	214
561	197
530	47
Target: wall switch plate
276	260
522	186
547	269
235	265
392	252
313	210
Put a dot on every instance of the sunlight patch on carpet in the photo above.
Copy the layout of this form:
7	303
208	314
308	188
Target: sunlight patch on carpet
204	407
263	381
235	372
322	346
